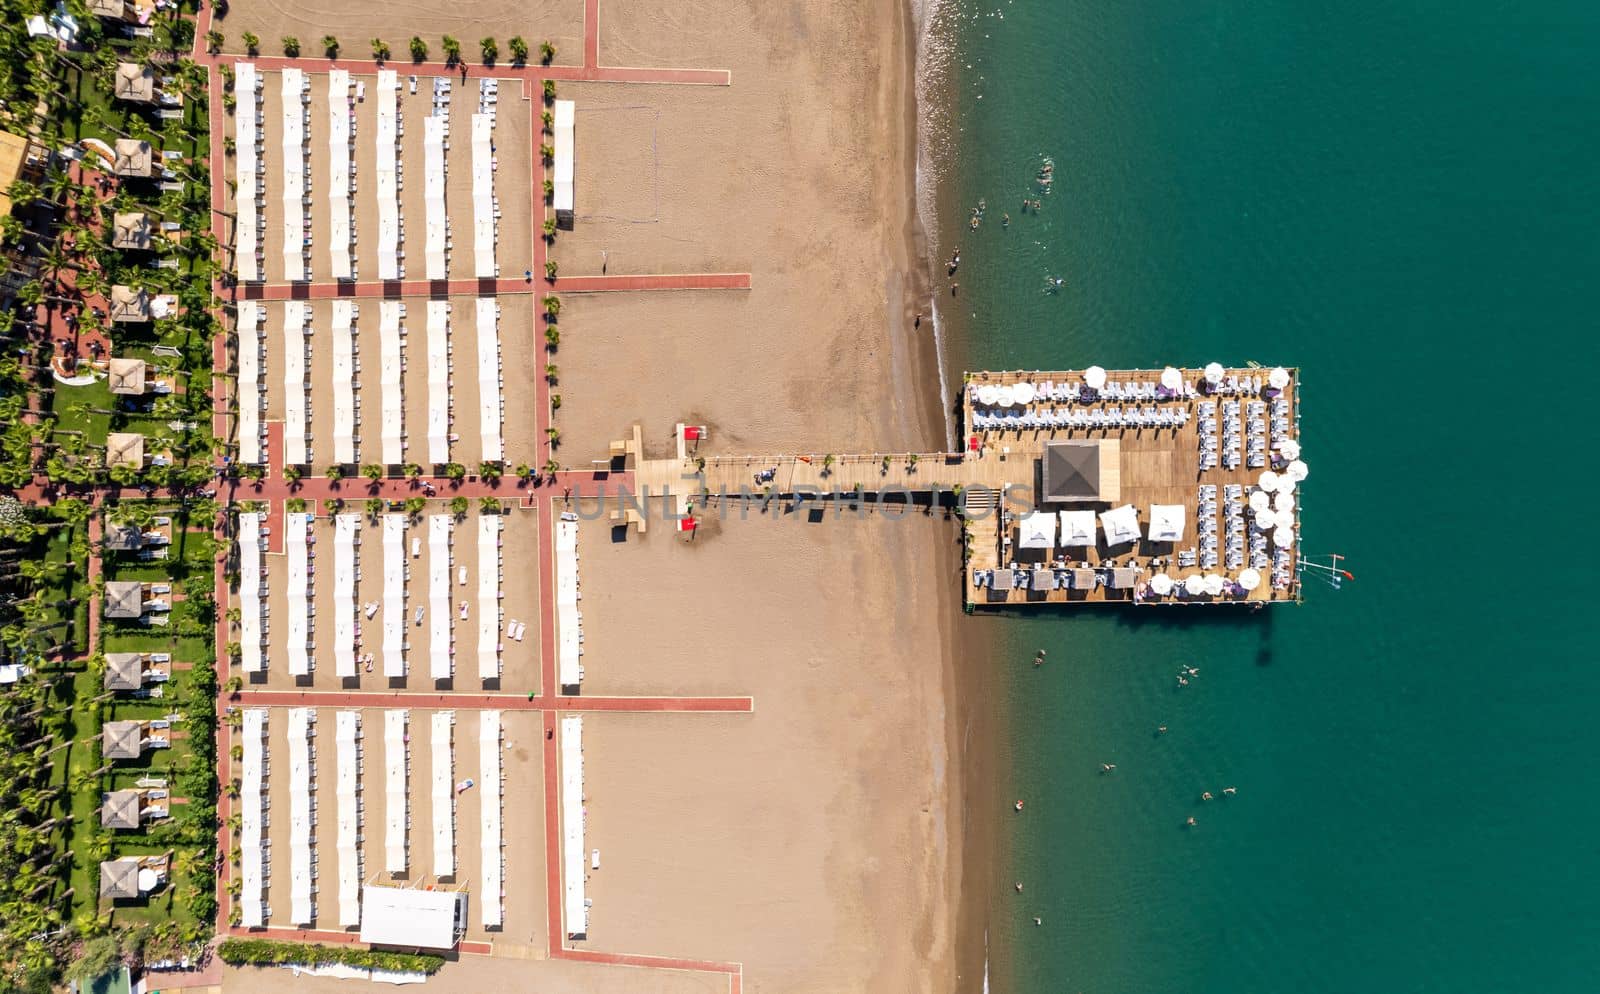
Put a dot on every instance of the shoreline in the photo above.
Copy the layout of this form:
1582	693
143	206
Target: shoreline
971	743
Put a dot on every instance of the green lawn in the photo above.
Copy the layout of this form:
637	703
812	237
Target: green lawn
64	585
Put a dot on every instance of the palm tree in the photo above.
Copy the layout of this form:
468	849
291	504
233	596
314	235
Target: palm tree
419	49
291	46
519	50
374	507
330	46
214	41
491	50
547	52
372	471
380	49
458	507
252	44
455	471
489	505
452	50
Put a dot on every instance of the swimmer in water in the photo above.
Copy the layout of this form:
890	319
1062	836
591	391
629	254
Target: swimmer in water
1230	791
1161	729
1005	220
1019	887
1107	767
1037	920
1206	796
1190	822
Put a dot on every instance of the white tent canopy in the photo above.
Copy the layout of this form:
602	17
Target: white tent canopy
394	595
438	381
568	626
441	649
1037	530
347	733
344	377
1121	524
253	740
484	223
345	529
492	860
396	764
250	388
295	526
1077	528
1161	584
489	596
1095	377
565	148
387	137
444	794
300	830
408	916
296	316
437	216
247	166
341	111
393	396
489	377
1166	522
294	174
575	905
250	634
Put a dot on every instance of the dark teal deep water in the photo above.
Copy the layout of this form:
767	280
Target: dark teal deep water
1400	198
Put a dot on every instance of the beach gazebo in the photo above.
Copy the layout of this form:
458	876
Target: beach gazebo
1121	525
133	158
131	230
1077	470
1037	530
124	671
119	879
125	448
120	809
129	305
127	377
1166	522
135	83
124	599
122	739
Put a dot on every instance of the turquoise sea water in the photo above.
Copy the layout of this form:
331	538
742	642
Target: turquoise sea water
1401	199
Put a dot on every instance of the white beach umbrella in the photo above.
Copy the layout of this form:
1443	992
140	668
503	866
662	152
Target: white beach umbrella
1095	376
988	395
1249	578
1283	537
1283	502
1297	471
1278	378
1259	501
1285	484
1268	480
1161	584
1283	519
1171	378
1214	584
1037	530
1023	393
1194	585
1214	372
1289	449
1005	397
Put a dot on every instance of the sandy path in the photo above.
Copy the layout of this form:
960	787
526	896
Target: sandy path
519	661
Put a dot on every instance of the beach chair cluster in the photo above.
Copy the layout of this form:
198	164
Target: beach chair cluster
1089	419
1206	525
1233	523
1206	414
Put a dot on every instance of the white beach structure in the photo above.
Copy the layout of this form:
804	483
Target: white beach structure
397	769
436	214
438	380
346	528
300	829
575	903
294	112
1167	522
441	648
391	363
347	740
409	918
344	379
568	624
387	182
250	389
341	134
296	331
492	859
489	566
247	171
1037	530
489	392
251	637
1077	528
483	199
394	595
1121	524
253	742
444	795
297	592
565	150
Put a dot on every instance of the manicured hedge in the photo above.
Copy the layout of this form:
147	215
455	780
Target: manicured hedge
264	952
